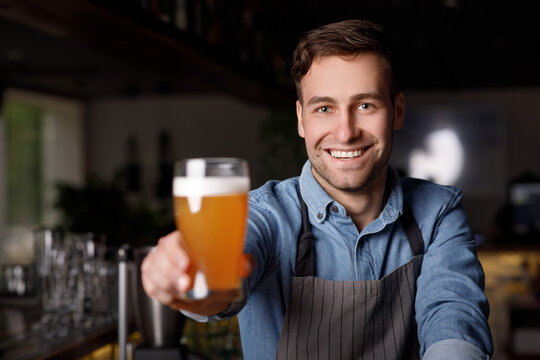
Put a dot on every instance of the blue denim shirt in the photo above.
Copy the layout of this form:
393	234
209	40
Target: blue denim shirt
451	308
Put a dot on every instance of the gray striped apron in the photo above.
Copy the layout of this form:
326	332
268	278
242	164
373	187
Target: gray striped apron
371	319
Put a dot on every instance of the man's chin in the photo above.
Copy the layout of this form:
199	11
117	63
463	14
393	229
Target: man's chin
353	187
352	183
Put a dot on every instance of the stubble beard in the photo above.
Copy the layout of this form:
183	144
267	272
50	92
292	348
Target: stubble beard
354	181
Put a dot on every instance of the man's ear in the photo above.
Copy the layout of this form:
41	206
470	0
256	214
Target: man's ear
300	119
399	111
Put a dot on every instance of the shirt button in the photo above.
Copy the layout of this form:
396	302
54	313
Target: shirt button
319	216
334	208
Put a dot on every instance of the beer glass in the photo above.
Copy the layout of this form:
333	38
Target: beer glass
210	209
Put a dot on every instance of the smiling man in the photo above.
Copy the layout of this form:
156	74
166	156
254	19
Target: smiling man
347	126
350	260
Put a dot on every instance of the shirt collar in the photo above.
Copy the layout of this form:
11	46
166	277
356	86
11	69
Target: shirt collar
318	201
394	205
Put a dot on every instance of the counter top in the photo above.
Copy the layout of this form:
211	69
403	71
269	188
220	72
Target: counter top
21	338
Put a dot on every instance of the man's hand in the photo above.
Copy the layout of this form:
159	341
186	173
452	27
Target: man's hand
167	275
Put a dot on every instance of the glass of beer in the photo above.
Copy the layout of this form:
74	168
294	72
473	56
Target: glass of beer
210	209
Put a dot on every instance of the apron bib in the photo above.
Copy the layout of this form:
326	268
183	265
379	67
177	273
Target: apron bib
371	319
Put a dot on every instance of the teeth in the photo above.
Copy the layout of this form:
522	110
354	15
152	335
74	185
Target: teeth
345	154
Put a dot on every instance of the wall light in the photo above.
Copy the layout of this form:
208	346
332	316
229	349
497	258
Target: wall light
441	159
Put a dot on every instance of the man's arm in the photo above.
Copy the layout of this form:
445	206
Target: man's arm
450	302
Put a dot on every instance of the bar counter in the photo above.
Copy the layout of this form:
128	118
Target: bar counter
21	337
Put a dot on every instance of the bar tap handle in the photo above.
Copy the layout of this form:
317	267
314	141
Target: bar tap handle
124	257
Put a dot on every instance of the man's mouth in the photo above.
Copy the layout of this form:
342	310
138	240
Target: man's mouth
338	154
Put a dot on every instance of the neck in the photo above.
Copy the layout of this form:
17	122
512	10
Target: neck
363	206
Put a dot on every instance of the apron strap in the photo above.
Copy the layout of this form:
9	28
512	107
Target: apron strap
416	242
304	250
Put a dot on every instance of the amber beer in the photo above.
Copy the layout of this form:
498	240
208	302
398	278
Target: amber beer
211	213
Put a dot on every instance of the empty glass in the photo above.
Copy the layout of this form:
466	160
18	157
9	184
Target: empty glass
76	281
47	243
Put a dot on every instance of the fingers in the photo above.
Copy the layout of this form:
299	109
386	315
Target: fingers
171	247
167	273
165	270
177	258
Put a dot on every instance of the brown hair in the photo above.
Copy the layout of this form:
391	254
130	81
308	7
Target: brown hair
349	37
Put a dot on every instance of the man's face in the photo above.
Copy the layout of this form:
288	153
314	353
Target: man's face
346	116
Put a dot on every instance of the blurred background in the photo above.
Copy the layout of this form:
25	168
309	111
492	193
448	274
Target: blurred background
99	98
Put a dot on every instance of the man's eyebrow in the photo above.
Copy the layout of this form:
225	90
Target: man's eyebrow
363	96
327	99
320	99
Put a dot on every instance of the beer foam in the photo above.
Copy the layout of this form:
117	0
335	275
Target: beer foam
210	186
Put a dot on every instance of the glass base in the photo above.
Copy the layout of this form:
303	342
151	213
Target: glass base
216	295
201	291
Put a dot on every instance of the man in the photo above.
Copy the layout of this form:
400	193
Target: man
350	260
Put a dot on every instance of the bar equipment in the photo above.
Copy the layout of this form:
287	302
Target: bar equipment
160	326
124	257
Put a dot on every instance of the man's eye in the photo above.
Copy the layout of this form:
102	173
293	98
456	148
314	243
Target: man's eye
323	109
364	106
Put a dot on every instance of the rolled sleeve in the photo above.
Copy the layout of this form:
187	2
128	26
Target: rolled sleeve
454	349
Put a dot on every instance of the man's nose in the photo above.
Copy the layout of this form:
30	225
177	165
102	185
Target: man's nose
346	127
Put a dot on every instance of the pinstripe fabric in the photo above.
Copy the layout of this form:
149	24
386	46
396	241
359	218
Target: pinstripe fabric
354	319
